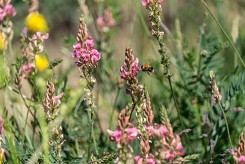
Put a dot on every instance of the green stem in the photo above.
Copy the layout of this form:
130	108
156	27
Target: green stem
227	127
91	132
113	109
224	32
175	102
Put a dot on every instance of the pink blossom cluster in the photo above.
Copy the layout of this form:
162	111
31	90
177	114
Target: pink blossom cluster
168	151
6	9
106	21
85	53
1	125
147	2
129	71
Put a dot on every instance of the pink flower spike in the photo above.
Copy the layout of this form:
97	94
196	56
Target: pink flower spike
241	159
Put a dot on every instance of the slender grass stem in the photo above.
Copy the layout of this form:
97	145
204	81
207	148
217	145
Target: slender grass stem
227	127
224	32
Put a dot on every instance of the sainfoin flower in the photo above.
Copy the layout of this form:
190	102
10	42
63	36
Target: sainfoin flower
131	70
147	2
35	22
106	21
85	53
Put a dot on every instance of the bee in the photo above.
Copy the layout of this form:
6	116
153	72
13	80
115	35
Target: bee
147	68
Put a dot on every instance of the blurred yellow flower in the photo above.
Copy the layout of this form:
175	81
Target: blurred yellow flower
2	44
35	22
41	62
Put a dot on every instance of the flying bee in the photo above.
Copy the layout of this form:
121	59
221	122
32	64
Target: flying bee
147	68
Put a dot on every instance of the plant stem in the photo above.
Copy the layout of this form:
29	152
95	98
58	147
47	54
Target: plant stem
113	109
227	127
224	32
91	131
175	102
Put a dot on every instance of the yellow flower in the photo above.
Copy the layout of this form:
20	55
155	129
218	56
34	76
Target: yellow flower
35	22
41	62
2	44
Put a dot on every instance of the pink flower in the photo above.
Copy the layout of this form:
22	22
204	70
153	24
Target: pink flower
85	53
89	43
134	69
169	156
150	159
100	21
147	2
10	10
241	159
39	37
1	125
115	135
77	46
160	130
26	70
180	149
106	21
131	133
138	160
86	56
124	73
